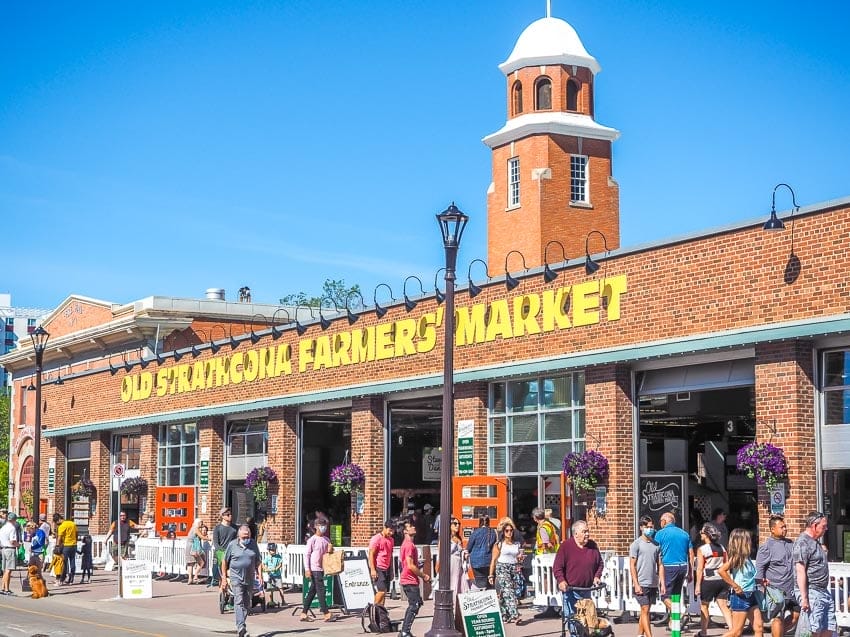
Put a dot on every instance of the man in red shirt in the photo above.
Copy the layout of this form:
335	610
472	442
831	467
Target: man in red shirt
410	575
578	562
381	561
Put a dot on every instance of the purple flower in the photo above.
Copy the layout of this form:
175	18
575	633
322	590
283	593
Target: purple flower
586	469
764	462
134	486
347	477
258	480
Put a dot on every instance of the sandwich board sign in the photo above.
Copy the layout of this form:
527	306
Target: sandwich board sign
136	582
356	583
481	614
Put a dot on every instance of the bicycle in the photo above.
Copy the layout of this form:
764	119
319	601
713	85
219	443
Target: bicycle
578	628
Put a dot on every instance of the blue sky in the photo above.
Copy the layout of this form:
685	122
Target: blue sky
164	148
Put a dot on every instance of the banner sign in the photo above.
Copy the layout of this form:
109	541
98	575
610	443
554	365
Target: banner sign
136	580
481	614
51	476
465	446
205	470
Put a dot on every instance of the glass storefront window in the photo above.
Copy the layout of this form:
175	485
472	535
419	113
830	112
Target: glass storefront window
248	437
836	389
545	420
178	451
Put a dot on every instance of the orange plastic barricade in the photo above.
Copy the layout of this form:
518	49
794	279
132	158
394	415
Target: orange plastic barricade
174	506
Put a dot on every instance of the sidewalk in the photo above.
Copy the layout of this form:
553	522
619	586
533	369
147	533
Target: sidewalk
197	607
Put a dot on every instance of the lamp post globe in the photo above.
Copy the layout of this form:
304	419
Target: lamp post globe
452	223
39	338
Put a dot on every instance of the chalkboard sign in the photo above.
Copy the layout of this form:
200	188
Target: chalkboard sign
659	493
356	584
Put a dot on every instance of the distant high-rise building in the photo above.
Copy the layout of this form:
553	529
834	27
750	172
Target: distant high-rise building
18	323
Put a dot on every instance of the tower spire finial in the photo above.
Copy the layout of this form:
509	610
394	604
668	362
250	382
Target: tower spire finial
548	8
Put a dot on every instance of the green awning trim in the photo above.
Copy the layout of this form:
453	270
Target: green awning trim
660	349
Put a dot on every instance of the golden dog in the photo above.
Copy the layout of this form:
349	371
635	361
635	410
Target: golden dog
37	583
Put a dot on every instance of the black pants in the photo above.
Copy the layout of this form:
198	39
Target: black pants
482	574
70	555
414	603
317	586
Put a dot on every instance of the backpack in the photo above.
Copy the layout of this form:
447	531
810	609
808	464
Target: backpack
376	619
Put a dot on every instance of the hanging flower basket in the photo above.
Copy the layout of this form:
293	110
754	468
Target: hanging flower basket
586	469
258	480
764	462
347	478
134	487
84	488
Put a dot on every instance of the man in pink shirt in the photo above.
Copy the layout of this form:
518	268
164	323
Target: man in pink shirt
410	575
381	561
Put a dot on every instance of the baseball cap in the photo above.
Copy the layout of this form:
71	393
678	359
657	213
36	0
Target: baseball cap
42	517
12	515
428	507
223	511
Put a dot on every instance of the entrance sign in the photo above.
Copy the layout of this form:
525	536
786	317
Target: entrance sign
465	446
659	493
481	614
777	499
356	584
136	581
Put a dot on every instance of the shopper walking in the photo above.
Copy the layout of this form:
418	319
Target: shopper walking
381	561
241	567
460	581
644	564
411	573
8	551
195	555
578	562
66	537
708	584
775	568
479	549
812	573
739	572
223	534
317	546
677	558
506	555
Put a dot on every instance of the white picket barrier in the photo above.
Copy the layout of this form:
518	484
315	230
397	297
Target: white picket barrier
840	586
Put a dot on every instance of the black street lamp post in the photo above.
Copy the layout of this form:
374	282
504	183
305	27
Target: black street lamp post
39	342
452	222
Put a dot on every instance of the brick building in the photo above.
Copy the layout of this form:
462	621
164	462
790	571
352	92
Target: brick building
667	358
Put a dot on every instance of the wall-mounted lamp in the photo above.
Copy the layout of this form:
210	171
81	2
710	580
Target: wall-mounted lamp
326	322
232	340
381	311
277	330
213	345
510	282
440	296
775	223
591	266
475	290
409	304
254	336
549	274
299	328
59	380
31	386
352	317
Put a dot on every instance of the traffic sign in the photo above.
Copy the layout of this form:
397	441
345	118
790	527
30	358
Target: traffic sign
118	470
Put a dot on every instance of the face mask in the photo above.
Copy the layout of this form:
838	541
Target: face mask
242	541
322	529
650	533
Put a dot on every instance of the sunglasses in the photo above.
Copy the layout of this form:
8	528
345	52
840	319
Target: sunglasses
814	518
455	522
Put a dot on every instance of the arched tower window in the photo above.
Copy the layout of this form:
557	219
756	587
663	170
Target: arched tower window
543	94
517	98
572	95
25	484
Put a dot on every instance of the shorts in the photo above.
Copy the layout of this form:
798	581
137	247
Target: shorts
9	559
821	610
712	589
742	603
382	582
649	596
674	579
274	583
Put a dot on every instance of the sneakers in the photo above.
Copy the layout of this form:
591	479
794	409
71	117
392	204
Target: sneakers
6	593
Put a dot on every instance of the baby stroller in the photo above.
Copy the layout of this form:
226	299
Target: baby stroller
587	620
258	597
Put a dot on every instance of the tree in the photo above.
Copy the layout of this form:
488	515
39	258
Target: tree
333	289
5	428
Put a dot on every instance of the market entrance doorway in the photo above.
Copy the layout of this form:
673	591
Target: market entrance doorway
695	432
325	443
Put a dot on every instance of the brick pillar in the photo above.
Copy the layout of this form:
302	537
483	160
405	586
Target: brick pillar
368	449
100	473
609	417
283	444
211	433
471	404
148	462
55	448
785	394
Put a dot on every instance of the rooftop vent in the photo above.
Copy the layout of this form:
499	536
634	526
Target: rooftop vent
215	294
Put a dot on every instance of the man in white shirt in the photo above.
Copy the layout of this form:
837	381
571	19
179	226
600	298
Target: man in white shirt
8	551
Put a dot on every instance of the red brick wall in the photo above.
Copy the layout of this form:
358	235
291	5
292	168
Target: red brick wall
785	398
368	450
609	419
283	444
